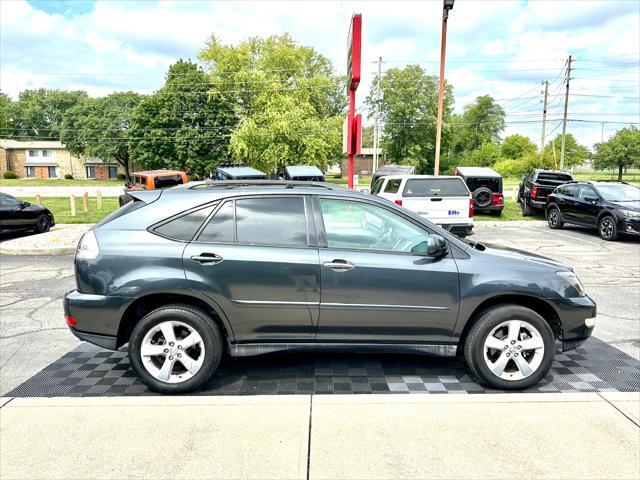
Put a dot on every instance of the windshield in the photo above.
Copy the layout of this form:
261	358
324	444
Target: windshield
619	192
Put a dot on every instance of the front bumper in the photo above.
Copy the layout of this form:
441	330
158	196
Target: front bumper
629	226
577	320
97	316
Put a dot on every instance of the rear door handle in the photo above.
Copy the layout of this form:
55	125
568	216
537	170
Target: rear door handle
207	258
339	265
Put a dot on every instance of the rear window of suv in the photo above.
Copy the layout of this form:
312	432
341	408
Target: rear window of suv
435	187
553	177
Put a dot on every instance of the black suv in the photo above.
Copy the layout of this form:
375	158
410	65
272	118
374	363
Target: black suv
536	186
186	274
485	185
611	207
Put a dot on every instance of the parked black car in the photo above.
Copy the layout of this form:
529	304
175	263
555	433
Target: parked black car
535	187
485	185
186	274
611	207
18	215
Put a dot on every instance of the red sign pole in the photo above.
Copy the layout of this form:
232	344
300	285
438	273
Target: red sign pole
351	125
353	67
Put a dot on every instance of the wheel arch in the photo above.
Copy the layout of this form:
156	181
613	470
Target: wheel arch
538	305
143	305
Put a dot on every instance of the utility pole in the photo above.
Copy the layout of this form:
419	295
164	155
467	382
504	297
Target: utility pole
566	106
376	131
544	116
447	5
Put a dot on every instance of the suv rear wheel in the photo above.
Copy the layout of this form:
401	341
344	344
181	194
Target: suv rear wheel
510	347
175	349
554	219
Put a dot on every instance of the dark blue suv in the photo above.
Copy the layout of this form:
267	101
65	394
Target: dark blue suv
188	274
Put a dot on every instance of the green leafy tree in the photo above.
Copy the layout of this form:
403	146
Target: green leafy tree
185	125
6	114
101	128
481	123
574	153
485	156
620	152
286	96
408	110
517	146
367	137
38	114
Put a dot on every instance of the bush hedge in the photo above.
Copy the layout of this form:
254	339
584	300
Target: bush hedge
9	175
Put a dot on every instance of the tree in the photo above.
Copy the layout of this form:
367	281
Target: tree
367	137
408	110
38	114
482	122
517	146
6	114
185	125
289	102
100	128
621	151
574	153
485	156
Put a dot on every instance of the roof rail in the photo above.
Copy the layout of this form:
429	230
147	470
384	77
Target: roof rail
261	183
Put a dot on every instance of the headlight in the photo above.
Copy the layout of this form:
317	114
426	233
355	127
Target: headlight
88	248
573	280
629	213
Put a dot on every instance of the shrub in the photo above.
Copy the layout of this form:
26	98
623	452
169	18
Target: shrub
511	168
193	178
68	176
9	175
121	176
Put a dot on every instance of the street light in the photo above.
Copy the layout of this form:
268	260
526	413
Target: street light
447	5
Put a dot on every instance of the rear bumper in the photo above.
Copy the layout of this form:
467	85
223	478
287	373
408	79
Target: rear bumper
97	317
539	204
577	318
489	208
458	229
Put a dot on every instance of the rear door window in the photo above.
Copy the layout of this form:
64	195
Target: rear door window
393	185
221	227
376	186
435	187
167	181
279	221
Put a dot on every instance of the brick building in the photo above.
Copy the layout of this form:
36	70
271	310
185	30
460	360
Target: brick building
363	163
50	159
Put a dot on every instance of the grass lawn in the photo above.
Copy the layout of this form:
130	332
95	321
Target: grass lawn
58	182
512	211
61	209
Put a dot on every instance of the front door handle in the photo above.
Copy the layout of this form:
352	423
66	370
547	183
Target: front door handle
207	258
339	265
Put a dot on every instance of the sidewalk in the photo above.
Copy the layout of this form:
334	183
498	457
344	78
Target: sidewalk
325	436
62	238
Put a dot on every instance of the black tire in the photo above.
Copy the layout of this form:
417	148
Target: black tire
490	319
122	199
607	228
554	218
526	209
43	223
195	319
482	197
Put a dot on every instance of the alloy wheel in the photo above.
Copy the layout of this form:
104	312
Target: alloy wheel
606	228
172	351
513	350
553	217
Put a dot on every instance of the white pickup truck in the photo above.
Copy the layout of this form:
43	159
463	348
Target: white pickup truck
443	200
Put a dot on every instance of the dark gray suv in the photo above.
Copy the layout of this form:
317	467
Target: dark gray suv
186	274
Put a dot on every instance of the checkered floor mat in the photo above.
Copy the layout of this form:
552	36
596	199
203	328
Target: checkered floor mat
90	371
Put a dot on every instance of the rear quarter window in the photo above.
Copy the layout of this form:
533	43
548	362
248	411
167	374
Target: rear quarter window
184	227
435	187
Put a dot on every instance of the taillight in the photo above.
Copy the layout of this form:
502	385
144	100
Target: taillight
88	248
399	202
71	321
497	199
534	192
471	208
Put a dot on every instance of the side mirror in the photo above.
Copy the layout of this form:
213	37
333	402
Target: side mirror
433	246
25	205
591	199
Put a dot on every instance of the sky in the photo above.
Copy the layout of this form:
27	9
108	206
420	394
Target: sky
501	48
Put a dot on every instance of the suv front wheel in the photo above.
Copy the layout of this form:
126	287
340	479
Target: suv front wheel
510	347
175	349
